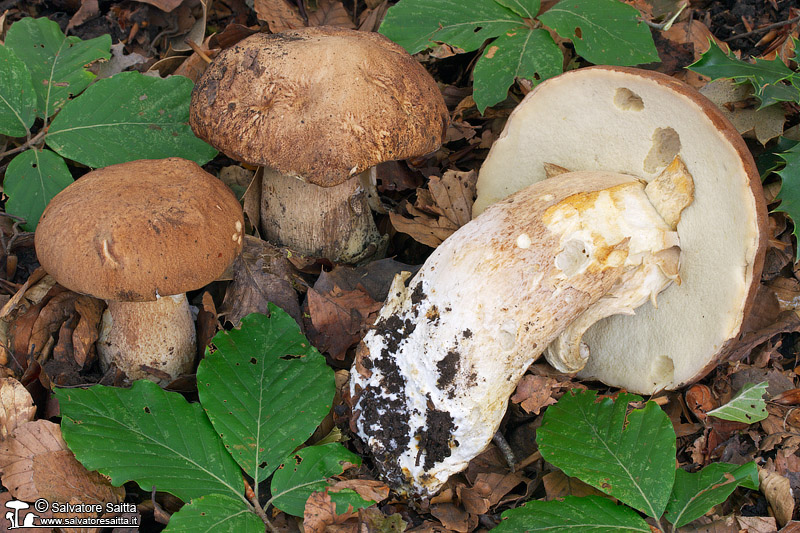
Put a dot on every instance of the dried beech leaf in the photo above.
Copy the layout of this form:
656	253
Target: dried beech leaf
454	193
558	485
321	515
339	318
89	9
454	518
423	228
535	393
330	13
36	463
261	274
90	310
778	492
757	524
16	406
278	14
369	489
163	5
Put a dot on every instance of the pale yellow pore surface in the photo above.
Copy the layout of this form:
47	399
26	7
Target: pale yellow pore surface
615	121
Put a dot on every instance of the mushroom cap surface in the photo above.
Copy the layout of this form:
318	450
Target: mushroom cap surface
321	103
140	230
635	122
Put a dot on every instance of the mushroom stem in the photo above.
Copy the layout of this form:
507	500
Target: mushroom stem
332	222
153	340
432	378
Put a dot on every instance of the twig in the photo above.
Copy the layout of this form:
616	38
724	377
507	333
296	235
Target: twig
666	25
764	28
24	146
251	496
197	50
508	453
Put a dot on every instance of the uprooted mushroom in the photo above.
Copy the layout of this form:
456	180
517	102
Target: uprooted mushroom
628	191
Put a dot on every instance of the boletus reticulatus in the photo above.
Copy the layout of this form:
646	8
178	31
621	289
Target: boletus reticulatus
619	229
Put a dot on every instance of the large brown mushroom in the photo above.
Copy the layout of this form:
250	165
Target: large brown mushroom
140	235
651	197
318	108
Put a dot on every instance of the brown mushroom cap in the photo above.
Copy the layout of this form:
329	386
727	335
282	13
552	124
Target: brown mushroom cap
635	122
139	230
320	103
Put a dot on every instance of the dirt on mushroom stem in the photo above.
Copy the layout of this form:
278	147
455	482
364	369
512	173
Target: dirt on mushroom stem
431	382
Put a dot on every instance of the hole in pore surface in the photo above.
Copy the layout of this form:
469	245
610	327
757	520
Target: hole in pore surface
666	145
628	100
573	258
662	371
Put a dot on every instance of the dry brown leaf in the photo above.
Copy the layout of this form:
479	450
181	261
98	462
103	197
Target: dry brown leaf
535	393
557	485
36	463
279	15
261	274
90	312
321	516
757	524
16	406
369	489
370	19
454	193
55	312
791	527
339	318
500	484
330	13
475	499
778	492
454	518
737	103
423	228
89	9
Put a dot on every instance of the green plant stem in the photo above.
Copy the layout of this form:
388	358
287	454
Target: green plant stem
27	144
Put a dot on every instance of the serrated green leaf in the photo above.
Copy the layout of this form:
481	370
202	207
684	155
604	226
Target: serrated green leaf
215	513
17	97
307	471
419	24
766	76
591	513
780	92
127	117
630	456
694	494
603	31
148	435
747	406
32	179
789	195
770	160
265	389
522	53
56	62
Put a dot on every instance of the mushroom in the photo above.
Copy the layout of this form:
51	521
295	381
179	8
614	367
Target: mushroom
651	198
139	235
318	108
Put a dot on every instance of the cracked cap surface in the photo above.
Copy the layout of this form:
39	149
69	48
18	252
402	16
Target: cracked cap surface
320	103
132	231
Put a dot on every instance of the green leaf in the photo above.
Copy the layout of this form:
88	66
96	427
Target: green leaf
307	471
265	389
520	53
526	9
127	117
766	76
150	436
747	406
17	97
694	494
771	160
603	31
419	24
215	513
630	456
32	179
789	195
591	513
56	62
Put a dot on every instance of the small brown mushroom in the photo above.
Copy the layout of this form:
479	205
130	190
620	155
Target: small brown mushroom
611	190
140	235
318	107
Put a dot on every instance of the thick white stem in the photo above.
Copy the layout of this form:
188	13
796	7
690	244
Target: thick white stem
149	340
331	222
